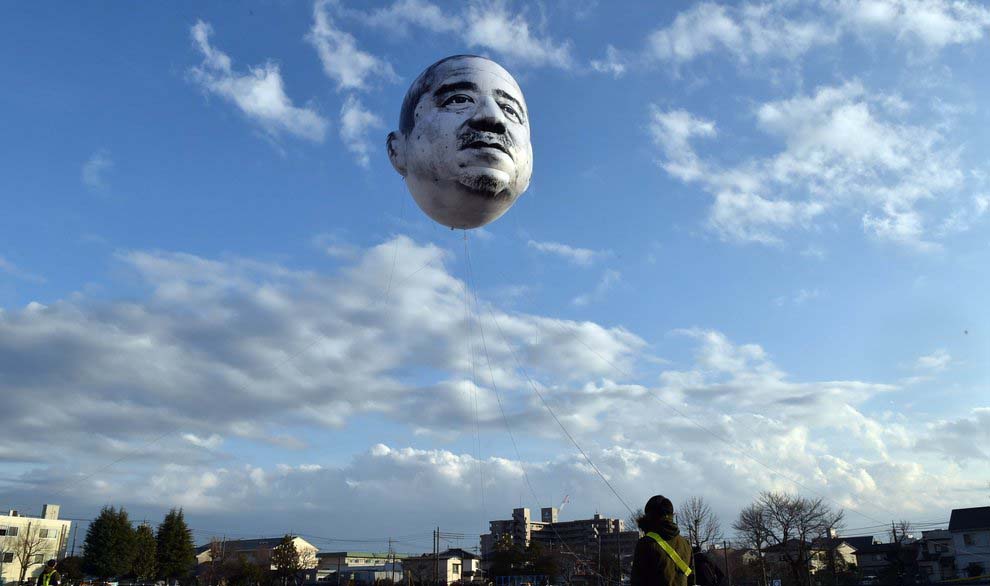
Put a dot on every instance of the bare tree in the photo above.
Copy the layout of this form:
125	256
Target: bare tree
633	521
900	531
217	563
751	528
28	549
789	524
702	525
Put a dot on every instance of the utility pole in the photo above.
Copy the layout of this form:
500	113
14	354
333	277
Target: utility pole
392	566
725	554
75	531
436	556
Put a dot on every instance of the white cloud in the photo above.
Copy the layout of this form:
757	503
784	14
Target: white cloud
335	247
7	266
94	170
271	345
485	25
936	361
241	348
494	28
576	255
782	29
212	442
801	297
747	31
748	217
672	131
840	149
259	94
933	23
613	63
960	439
607	281
355	122
963	218
342	60
398	17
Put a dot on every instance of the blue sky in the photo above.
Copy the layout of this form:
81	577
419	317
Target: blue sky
770	217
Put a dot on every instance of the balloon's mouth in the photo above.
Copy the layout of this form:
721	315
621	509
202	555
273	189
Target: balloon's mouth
479	144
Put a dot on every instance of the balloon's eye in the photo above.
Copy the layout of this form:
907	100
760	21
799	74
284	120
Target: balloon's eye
511	113
457	99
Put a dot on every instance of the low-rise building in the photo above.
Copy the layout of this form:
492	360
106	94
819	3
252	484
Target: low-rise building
26	543
332	562
453	565
258	551
970	530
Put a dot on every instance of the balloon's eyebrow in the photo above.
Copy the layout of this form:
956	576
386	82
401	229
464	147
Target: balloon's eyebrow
453	87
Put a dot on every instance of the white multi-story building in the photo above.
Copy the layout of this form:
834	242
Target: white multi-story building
26	543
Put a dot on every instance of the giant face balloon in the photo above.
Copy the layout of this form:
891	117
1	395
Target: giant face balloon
463	141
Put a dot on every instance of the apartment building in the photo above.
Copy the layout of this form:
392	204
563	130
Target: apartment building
581	536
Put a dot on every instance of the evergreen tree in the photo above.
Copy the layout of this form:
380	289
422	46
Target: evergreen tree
176	555
145	552
285	559
109	545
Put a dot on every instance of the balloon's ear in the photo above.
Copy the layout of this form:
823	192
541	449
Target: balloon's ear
396	145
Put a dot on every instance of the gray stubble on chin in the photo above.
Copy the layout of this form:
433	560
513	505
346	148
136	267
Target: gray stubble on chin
484	184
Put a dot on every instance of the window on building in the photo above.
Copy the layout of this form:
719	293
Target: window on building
38	558
47	534
968	539
8	557
457	568
8	531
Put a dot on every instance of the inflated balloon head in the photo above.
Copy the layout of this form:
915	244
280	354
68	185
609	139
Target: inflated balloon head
463	141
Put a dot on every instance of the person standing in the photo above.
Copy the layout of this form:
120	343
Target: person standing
662	556
49	576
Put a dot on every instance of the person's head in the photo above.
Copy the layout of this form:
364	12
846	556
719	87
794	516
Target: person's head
51	564
463	144
658	509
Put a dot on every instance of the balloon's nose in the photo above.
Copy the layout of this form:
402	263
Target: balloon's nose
488	116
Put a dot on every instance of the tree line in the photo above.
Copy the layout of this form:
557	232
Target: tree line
114	548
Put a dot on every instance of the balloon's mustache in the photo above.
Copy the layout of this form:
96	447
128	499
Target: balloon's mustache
475	138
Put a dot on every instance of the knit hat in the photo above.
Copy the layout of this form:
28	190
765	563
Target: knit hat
659	506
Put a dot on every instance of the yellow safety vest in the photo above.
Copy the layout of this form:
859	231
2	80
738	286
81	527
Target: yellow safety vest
46	577
683	567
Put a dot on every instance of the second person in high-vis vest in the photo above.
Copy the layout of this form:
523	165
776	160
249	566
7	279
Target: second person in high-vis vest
663	557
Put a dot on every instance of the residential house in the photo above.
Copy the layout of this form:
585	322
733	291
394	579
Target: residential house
31	541
970	530
258	551
936	556
453	565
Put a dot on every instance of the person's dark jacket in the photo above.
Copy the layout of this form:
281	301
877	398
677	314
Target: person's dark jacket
651	564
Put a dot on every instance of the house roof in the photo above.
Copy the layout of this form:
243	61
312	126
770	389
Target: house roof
452	553
968	519
461	553
859	542
878	548
247	545
790	544
359	554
